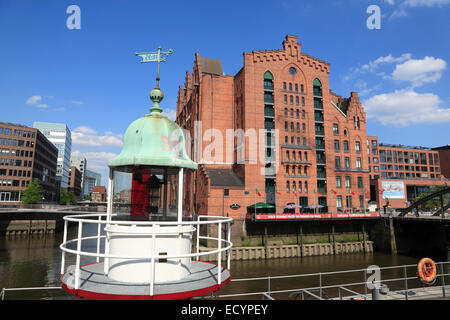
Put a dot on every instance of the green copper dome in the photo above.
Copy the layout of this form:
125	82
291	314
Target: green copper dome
153	140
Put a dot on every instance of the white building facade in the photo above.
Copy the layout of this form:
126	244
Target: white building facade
61	137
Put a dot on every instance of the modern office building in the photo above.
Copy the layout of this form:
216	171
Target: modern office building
75	181
81	164
92	179
309	140
25	154
60	135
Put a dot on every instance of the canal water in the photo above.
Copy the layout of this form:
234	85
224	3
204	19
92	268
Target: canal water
36	261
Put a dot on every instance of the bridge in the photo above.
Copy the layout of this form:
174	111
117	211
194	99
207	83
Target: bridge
440	211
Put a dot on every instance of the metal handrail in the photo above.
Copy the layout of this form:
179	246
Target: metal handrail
80	219
321	287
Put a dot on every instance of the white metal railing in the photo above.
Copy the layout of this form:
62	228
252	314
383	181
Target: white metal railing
305	292
224	244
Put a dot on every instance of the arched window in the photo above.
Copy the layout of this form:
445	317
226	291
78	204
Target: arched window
287	187
294	188
297	113
299	187
303	114
292	113
297	101
285	112
317	88
290	86
268	81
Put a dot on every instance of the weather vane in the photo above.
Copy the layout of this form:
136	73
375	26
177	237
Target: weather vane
158	57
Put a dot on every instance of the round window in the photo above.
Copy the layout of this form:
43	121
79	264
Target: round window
292	70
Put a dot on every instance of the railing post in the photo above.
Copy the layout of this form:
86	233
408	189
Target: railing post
219	254
63	255
365	282
406	282
268	284
320	284
98	237
443	280
152	275
198	237
340	293
77	268
229	241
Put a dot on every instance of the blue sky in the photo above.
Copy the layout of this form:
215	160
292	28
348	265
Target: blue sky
91	79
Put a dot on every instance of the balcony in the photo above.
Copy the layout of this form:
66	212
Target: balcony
268	98
269	112
317	92
318	104
320	146
268	86
319	132
321	175
269	125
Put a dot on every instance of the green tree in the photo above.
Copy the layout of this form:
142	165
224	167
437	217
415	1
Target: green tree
33	193
66	197
432	203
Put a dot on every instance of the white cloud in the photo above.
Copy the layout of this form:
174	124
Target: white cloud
85	136
34	99
420	71
77	102
373	65
85	130
171	114
406	107
402	8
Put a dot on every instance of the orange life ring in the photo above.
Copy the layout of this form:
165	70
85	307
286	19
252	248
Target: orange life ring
427	270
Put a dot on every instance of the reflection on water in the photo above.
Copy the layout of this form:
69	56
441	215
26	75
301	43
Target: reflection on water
36	262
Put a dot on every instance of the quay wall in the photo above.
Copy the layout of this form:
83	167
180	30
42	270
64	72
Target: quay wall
289	251
27	227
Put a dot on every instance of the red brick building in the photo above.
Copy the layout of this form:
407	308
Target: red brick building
98	194
410	170
444	156
75	181
303	143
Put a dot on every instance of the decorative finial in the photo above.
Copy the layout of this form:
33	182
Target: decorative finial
156	95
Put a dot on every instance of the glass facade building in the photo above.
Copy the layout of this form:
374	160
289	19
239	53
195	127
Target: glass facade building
61	137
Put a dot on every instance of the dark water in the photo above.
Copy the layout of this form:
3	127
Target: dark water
36	262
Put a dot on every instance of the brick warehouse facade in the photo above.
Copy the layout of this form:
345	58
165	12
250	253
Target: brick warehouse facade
292	140
317	155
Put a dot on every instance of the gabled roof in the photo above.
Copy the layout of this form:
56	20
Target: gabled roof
210	66
224	178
